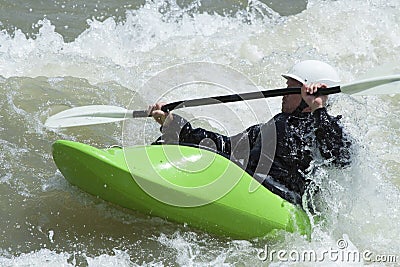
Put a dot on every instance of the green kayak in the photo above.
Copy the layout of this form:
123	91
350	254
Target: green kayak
181	184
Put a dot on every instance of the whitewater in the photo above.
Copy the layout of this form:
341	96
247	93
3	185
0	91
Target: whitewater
58	55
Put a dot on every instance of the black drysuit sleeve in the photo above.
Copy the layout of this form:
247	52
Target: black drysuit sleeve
332	143
236	147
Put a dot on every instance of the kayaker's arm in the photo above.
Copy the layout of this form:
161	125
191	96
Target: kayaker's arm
175	129
332	141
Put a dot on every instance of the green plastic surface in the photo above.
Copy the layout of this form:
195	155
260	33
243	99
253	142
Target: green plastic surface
180	184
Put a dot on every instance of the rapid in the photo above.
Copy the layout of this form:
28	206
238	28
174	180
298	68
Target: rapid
59	55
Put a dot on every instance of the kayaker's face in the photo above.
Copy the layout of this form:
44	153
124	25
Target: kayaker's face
291	102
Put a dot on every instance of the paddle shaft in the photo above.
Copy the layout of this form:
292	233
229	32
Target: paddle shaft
96	114
233	98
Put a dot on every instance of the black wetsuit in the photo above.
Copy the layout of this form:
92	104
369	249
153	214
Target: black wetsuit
280	159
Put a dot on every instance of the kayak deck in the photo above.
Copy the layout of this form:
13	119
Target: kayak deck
182	184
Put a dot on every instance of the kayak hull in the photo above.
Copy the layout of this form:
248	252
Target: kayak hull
175	183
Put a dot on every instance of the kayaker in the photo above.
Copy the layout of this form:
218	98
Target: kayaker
280	154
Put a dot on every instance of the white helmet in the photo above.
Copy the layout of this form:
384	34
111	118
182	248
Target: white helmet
312	71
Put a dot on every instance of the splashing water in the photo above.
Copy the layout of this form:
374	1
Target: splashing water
47	220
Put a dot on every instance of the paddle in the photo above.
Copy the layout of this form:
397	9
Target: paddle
97	114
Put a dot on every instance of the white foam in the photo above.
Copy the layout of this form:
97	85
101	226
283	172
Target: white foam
356	36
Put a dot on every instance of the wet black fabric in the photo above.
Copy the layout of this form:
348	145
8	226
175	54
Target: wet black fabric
277	153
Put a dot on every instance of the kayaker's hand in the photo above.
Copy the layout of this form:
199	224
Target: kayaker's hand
159	115
308	92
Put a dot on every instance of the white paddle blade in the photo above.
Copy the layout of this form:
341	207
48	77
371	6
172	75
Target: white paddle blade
83	121
385	89
87	115
373	86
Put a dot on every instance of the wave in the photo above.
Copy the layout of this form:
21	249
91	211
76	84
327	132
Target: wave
112	59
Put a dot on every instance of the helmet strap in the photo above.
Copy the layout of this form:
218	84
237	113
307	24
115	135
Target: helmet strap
301	106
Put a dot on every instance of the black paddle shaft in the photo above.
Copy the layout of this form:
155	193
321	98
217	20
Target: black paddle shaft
233	98
242	97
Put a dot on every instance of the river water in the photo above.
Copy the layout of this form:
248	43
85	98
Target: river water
60	54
